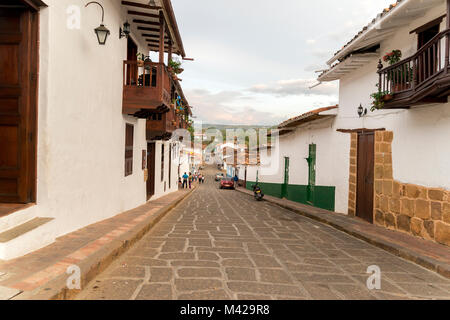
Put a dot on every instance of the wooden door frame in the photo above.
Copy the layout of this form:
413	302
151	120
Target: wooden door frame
29	68
370	213
34	100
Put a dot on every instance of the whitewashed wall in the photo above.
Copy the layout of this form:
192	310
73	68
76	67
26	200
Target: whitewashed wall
162	185
332	159
421	147
81	127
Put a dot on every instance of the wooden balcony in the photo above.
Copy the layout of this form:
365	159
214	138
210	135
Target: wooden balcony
160	126
146	90
423	78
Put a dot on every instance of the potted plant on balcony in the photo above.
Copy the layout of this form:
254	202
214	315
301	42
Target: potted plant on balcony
401	76
140	59
393	57
379	98
175	67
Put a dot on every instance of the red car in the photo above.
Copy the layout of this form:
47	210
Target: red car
226	183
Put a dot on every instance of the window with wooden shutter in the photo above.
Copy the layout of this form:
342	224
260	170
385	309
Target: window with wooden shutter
129	137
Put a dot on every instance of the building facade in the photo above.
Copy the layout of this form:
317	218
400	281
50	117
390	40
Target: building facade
85	127
298	166
389	166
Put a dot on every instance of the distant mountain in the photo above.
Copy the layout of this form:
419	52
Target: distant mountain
229	126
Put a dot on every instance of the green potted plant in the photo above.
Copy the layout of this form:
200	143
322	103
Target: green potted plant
401	76
378	99
175	66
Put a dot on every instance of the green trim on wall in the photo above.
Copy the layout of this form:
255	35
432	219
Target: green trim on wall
323	197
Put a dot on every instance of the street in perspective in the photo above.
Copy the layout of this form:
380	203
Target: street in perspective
238	154
221	244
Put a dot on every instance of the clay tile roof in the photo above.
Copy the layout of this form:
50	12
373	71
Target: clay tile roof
306	117
382	14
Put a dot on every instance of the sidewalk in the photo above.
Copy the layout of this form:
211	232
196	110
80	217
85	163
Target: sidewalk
428	254
41	275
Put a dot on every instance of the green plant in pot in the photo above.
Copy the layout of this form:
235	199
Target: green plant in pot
175	66
379	98
401	76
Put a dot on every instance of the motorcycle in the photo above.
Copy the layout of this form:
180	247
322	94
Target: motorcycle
257	193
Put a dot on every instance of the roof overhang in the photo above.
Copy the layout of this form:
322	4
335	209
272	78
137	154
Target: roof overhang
350	64
145	20
32	4
385	24
319	114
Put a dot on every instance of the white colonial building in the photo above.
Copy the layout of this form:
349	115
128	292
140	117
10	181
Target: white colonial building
85	128
389	166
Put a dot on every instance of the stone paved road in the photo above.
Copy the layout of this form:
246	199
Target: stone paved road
221	244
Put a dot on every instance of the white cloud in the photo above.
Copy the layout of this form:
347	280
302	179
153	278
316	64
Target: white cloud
296	87
229	107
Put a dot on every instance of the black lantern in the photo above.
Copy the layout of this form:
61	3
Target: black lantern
361	111
125	32
102	32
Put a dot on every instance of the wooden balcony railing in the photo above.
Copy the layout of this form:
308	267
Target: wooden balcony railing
162	125
408	79
146	89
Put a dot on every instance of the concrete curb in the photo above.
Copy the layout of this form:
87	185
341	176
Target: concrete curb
328	218
91	267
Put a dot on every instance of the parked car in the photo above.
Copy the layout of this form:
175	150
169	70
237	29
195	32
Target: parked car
219	176
227	183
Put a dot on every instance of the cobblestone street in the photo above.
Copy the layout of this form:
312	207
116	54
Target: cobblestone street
222	244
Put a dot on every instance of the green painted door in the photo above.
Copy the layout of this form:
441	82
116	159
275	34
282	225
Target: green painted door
286	178
311	173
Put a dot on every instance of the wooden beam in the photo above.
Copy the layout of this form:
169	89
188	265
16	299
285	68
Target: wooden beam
162	34
140	5
169	54
156	47
149	23
359	130
149	29
157	41
448	14
143	14
428	25
30	4
148	35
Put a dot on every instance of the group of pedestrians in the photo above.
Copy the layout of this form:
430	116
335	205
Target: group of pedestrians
187	179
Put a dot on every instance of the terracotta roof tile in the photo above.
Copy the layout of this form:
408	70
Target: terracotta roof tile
306	116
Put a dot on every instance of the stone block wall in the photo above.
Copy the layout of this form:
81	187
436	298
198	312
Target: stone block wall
421	211
353	173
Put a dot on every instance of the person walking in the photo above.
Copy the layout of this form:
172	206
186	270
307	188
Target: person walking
185	180
190	180
236	179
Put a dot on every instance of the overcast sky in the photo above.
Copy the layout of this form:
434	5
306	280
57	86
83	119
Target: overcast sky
255	59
